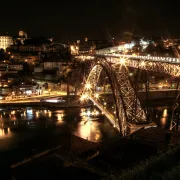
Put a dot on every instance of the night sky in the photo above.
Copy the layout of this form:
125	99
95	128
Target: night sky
95	19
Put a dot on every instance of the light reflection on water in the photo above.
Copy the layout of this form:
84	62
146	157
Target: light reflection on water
60	116
87	123
5	133
88	129
84	123
162	116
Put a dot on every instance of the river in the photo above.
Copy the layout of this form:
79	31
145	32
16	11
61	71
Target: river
22	124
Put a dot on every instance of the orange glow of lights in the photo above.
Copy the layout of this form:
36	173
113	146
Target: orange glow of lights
37	114
96	95
97	136
50	114
13	112
142	63
5	133
85	130
165	113
88	86
122	61
59	116
83	97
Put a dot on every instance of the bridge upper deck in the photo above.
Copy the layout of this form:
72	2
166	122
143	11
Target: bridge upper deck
115	52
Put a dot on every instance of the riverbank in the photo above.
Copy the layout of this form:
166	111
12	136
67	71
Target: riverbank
39	149
112	156
112	152
69	102
154	102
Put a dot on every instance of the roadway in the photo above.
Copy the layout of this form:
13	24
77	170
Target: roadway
113	121
55	94
115	51
34	98
109	115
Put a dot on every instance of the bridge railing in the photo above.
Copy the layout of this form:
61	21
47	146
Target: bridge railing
114	51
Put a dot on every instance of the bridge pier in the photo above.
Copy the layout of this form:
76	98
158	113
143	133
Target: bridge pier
131	128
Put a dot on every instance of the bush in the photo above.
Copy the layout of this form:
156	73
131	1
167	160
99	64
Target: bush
173	174
146	168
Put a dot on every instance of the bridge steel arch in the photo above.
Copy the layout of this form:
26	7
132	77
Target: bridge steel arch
128	107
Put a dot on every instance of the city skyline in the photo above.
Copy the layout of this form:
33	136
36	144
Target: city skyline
96	20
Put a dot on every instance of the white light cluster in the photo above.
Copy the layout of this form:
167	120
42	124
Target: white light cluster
146	58
84	57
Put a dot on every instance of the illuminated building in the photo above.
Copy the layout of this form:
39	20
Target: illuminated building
22	36
5	41
24	89
74	49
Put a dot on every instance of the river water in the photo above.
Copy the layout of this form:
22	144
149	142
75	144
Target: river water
21	124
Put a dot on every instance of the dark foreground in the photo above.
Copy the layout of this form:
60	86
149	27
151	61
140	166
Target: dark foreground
82	159
79	160
30	162
51	167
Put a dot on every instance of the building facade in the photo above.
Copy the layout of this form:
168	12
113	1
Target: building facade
5	42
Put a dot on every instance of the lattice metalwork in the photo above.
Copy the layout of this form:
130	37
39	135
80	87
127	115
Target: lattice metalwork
127	110
165	65
156	66
116	52
134	111
93	76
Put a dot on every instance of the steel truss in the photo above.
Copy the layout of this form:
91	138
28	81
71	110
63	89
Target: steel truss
128	107
156	66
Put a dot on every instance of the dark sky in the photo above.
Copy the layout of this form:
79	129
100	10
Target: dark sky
95	19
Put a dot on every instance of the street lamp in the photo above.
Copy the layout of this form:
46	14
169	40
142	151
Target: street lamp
122	61
96	95
88	86
83	97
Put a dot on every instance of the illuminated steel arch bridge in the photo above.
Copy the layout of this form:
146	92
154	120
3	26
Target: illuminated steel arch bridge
129	112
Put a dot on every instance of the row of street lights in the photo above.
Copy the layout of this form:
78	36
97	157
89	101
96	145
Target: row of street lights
84	97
